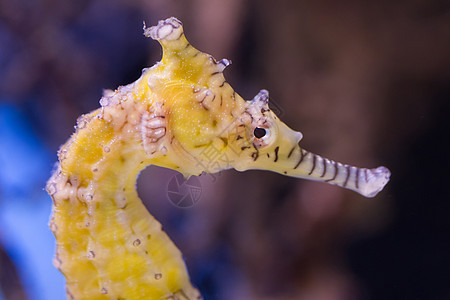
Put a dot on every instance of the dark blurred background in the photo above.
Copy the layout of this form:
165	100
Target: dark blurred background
367	82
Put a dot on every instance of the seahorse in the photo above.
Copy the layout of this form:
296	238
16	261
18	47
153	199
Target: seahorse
180	114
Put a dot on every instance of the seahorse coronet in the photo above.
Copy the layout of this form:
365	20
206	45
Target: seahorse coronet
180	114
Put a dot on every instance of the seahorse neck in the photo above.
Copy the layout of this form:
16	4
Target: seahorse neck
114	176
101	224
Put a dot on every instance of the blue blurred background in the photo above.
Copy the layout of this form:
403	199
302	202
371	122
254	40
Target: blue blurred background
368	83
25	209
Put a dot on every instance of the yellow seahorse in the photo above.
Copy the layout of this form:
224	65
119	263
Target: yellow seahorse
174	115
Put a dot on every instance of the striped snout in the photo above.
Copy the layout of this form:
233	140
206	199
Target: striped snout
367	182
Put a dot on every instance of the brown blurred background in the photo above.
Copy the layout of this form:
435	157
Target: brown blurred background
367	83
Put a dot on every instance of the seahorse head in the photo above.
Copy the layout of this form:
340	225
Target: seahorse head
197	123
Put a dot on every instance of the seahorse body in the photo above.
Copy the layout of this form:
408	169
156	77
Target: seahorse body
180	114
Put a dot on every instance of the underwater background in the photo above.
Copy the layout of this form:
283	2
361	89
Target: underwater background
367	83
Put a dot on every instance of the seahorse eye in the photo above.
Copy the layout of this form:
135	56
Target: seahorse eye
259	132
